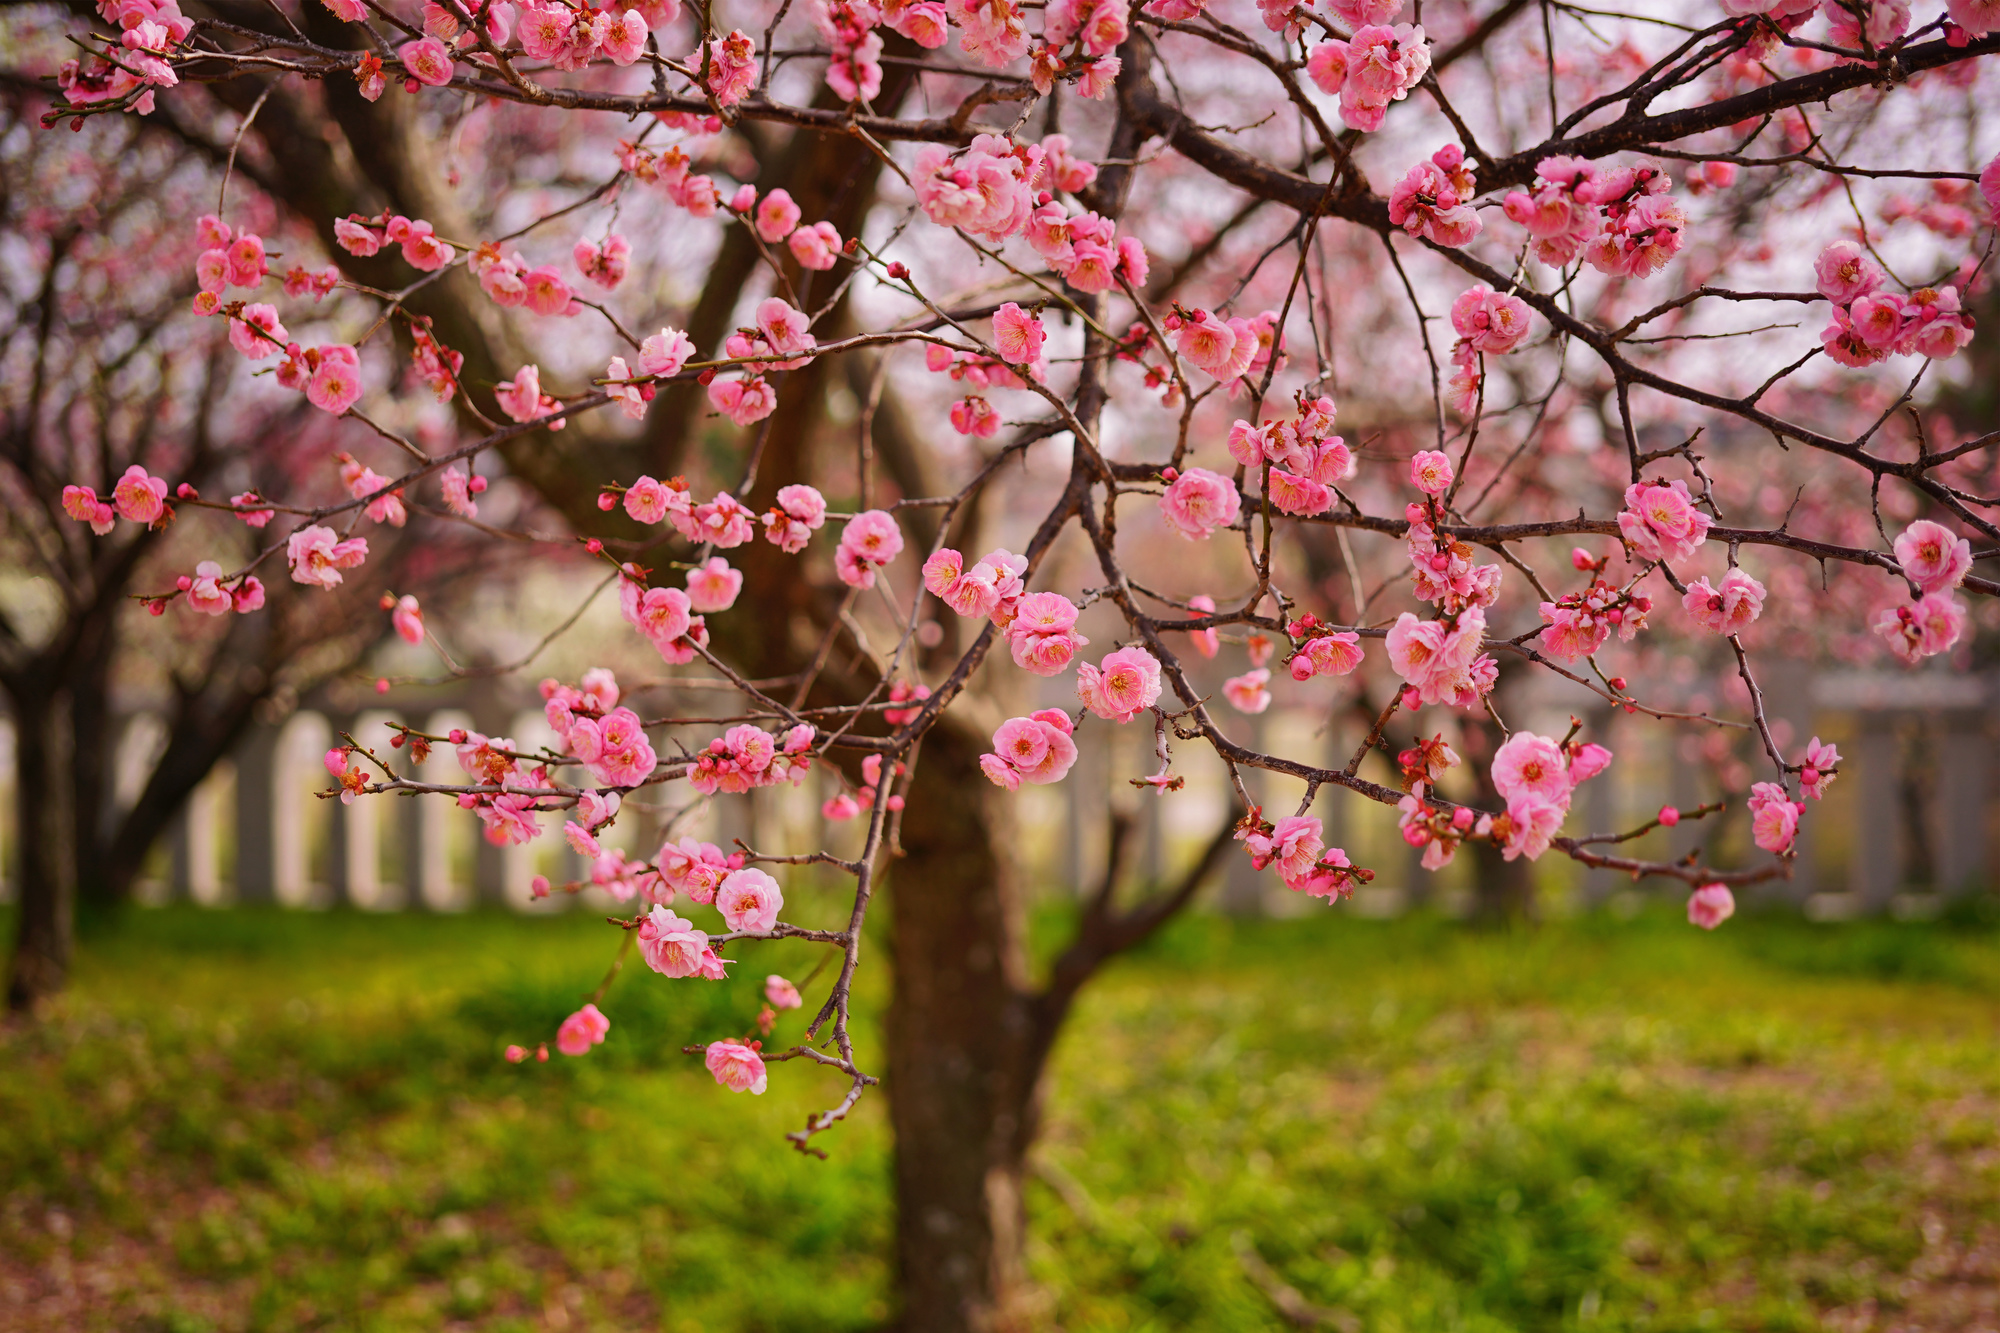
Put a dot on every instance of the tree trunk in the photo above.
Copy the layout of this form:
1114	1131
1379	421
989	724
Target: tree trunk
45	927
959	1029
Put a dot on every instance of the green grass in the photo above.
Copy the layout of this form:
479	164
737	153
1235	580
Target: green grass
292	1121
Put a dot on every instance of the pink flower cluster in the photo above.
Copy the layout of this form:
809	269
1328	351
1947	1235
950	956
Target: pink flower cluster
614	747
1440	661
694	868
745	758
1296	845
1711	905
737	1066
1868	323
1378	65
992	587
1097	27
1441	568
1774	817
675	947
665	616
151	31
230	260
669	171
870	540
603	263
512	281
422	248
139	496
1578	623
317	555
995	32
1083	249
522	398
1486	322
1124	685
986	188
801	510
1036	749
1432	199
1042	635
1620	219
1660	521
1728	609
1818	767
1198	503
846	806
582	1030
1322	651
1232	350
363	482
1307	459
1536	776
854	70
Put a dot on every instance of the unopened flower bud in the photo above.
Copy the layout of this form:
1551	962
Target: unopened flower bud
1669	815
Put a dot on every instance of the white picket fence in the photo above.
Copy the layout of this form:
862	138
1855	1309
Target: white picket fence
1905	827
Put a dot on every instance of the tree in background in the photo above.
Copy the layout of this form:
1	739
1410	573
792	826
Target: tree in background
106	372
1103	285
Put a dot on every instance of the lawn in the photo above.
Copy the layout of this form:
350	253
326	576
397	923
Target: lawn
301	1121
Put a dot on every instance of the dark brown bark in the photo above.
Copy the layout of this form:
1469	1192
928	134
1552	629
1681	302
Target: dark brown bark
44	926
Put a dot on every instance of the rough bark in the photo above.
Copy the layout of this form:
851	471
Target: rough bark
44	929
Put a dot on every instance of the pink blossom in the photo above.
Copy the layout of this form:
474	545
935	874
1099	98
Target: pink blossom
1295	844
408	620
1250	692
749	901
1977	17
1488	321
1923	628
1816	768
1844	273
816	246
1532	824
1383	64
1327	655
744	401
247	596
1018	335
206	593
1729	609
1430	472
713	586
1327	66
1199	502
736	1066
1123	686
1573	631
548	293
624	36
1932	558
648	501
869	541
586	1027
1206	341
1711	905
615	749
1660	522
725	521
973	415
604	264
985	188
1877	319
1427	203
1036	749
140	496
317	555
1528	765
1774	818
694	868
81	503
781	994
336	385
1207	642
777	215
423	250
580	841
1298	495
665	352
244	335
428	62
